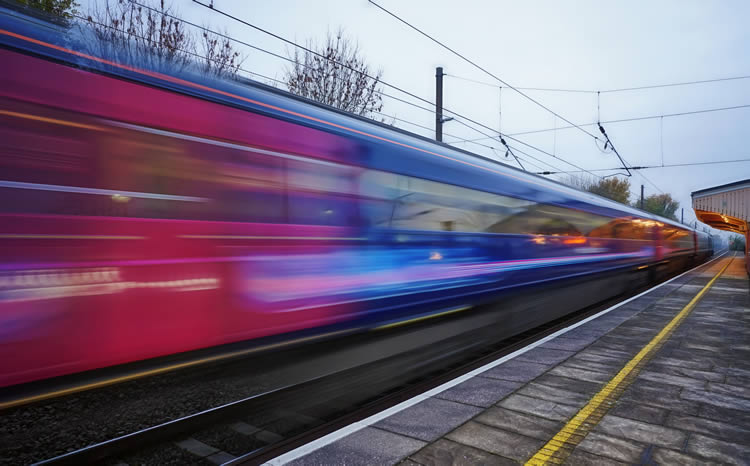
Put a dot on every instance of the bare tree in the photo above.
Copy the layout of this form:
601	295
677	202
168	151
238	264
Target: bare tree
337	75
134	34
155	37
220	57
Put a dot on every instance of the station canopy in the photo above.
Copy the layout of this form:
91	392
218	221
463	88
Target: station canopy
725	207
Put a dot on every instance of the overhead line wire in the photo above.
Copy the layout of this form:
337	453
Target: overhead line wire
188	52
661	117
309	50
626	120
274	79
479	67
591	91
494	149
445	110
686	83
260	49
282	57
501	81
645	167
582	91
596	138
530	146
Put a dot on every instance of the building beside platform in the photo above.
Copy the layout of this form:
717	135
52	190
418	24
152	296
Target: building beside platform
726	207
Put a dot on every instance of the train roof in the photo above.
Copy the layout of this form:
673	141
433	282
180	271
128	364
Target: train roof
63	44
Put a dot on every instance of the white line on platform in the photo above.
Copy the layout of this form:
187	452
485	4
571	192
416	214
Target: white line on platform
359	425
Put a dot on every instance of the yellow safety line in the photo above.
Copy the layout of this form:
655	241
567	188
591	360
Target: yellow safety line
160	370
419	319
587	418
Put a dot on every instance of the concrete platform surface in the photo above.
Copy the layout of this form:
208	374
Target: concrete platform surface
686	402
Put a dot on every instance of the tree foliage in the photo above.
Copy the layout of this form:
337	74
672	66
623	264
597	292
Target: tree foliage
737	243
155	37
338	76
661	204
612	188
62	8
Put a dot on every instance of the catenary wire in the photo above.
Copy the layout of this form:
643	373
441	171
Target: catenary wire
626	120
445	110
590	91
661	117
280	81
596	138
282	57
480	68
646	167
203	28
309	50
530	146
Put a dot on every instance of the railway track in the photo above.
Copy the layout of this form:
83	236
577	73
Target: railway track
260	427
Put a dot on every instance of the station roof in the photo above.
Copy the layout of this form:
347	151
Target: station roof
726	207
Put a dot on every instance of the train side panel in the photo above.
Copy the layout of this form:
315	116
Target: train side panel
129	234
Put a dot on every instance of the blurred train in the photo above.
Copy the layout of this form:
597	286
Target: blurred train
145	214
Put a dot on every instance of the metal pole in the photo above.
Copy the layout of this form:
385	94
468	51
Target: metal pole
439	103
641	197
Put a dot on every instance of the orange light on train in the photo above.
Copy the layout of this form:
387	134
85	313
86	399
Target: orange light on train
539	240
577	240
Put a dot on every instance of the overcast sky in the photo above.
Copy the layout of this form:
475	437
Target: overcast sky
588	45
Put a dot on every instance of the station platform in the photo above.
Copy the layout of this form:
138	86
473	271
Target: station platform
661	378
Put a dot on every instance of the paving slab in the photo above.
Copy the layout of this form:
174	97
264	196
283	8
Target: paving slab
517	371
689	403
429	419
727	430
369	446
445	452
546	356
520	423
497	441
640	412
664	456
642	432
554	394
611	447
718	450
480	391
545	409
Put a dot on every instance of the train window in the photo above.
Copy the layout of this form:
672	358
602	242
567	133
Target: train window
192	180
677	238
543	219
396	201
321	193
87	166
624	228
402	202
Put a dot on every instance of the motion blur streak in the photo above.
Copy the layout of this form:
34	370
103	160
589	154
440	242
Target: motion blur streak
144	214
